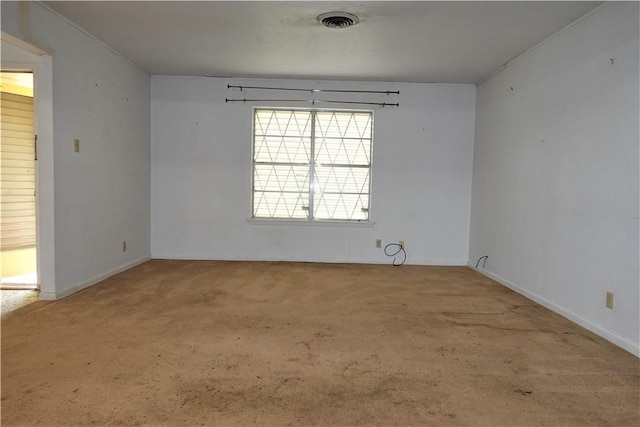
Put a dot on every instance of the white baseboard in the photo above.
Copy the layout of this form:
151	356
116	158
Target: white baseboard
331	260
46	296
623	343
49	296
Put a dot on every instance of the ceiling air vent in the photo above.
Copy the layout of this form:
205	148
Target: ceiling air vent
338	19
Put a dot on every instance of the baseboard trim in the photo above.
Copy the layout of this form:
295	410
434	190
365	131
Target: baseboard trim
598	330
328	260
50	296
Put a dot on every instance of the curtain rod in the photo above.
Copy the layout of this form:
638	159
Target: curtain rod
314	101
387	92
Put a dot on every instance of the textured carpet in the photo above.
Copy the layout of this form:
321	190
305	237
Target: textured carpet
240	343
13	299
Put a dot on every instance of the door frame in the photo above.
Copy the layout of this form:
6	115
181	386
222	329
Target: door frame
38	62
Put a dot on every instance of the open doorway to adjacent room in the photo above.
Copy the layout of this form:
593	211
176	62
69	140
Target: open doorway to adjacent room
18	266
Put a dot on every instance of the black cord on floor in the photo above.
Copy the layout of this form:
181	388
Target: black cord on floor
400	249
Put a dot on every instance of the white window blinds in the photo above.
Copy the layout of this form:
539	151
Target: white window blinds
17	180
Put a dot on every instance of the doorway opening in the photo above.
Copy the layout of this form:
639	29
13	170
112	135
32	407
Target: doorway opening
18	264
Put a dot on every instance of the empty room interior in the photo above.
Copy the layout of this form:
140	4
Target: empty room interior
320	213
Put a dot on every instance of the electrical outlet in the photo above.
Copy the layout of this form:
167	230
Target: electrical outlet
124	246
76	145
378	243
609	302
401	243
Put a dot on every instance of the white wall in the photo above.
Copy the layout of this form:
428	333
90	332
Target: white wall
555	182
102	193
201	174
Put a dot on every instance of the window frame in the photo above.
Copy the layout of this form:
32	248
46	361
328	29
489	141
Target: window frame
310	218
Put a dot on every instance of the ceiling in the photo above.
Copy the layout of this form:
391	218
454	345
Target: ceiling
415	41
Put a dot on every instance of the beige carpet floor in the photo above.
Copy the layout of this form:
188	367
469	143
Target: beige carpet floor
13	299
259	343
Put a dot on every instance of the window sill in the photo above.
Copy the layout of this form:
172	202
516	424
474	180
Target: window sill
311	223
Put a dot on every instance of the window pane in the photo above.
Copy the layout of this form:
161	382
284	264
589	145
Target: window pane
281	178
280	191
342	180
343	124
280	205
343	151
282	123
341	206
282	149
282	136
343	138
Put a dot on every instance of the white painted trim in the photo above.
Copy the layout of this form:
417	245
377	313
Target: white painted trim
310	223
48	296
441	262
328	260
22	44
45	176
623	343
42	70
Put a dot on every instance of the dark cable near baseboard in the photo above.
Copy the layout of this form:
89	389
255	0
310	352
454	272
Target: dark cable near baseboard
400	249
483	262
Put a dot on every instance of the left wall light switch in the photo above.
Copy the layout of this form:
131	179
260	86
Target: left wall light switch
76	145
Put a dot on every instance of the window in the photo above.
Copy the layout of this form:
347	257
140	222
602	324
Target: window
312	164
